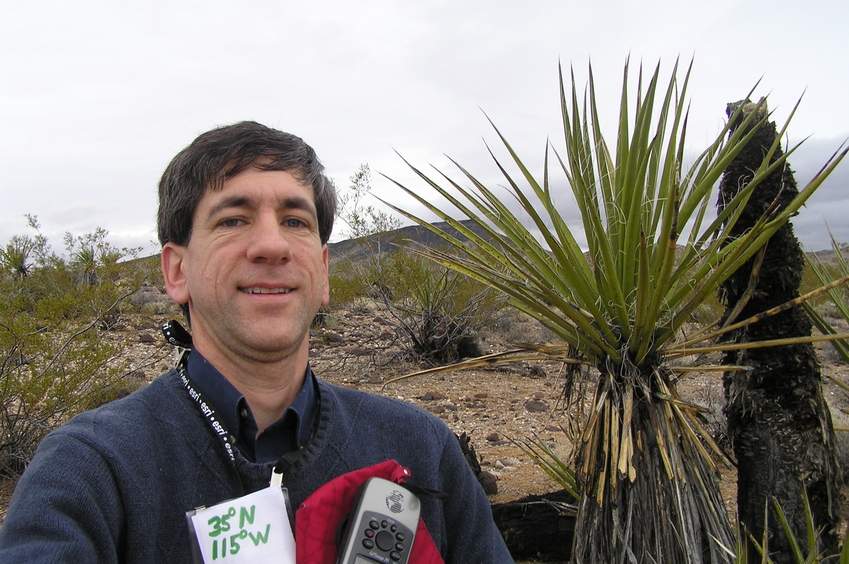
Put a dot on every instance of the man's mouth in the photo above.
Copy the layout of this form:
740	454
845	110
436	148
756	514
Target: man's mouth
255	290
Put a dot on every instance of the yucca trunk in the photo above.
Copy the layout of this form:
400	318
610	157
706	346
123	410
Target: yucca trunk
649	495
778	420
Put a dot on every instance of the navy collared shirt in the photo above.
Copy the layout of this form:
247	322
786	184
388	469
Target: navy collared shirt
289	433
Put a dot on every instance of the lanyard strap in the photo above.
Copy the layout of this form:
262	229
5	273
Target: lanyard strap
209	413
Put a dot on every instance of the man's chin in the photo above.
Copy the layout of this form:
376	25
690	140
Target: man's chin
271	348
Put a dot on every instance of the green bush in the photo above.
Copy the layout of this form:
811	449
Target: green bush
54	358
346	286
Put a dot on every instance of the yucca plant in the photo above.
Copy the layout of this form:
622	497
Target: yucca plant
654	254
15	257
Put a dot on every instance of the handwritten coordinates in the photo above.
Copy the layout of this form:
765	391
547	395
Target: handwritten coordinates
227	543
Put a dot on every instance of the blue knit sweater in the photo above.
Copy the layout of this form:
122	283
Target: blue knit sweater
113	484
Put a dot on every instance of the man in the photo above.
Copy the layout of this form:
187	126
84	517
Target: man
245	213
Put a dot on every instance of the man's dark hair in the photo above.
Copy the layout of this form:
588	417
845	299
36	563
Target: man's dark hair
226	151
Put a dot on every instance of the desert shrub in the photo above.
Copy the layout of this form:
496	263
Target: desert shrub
435	310
54	358
346	285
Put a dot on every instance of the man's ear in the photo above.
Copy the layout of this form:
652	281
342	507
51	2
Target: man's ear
171	262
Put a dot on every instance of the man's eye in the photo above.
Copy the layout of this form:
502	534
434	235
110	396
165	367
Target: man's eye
294	222
230	222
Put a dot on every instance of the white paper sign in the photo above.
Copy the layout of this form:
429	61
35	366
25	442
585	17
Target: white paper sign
251	529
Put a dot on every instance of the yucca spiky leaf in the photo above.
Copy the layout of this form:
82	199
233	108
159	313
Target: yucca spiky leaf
837	295
541	453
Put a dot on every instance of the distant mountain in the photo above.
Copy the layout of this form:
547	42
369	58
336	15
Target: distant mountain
410	236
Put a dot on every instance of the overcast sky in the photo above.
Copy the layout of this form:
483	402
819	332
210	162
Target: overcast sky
96	97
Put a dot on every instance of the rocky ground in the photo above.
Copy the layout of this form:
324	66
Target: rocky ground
494	407
491	406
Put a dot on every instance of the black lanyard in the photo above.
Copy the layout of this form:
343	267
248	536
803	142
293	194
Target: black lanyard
206	409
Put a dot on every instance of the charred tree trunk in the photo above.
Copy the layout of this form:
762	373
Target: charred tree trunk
540	527
778	421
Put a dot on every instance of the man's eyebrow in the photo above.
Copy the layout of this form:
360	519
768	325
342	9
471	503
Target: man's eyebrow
297	203
231	202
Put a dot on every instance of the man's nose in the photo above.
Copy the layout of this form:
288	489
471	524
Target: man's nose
268	241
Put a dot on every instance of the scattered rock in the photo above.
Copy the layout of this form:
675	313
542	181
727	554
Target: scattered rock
480	401
536	371
146	338
535	405
506	464
495	439
149	295
332	337
489	482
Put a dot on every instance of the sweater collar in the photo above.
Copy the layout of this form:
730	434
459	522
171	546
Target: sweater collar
291	432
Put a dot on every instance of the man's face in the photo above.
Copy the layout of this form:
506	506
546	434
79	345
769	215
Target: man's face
254	272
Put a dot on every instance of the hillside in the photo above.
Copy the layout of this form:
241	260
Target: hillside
405	237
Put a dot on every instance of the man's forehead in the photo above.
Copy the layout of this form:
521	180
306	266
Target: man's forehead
234	191
262	164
